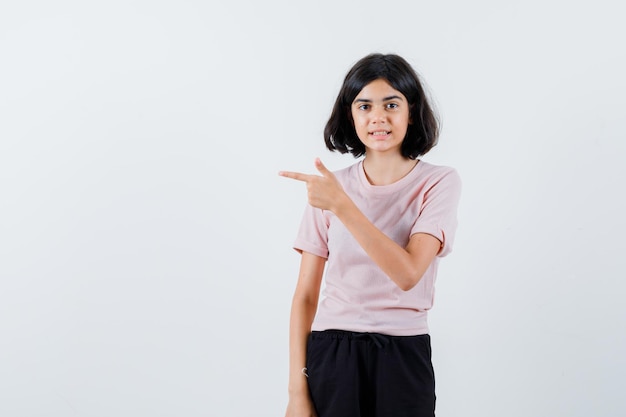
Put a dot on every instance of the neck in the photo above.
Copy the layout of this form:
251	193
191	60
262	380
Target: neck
387	170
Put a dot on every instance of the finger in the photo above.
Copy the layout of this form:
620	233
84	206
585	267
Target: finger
322	168
295	175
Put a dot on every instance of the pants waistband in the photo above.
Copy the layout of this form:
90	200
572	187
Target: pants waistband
379	339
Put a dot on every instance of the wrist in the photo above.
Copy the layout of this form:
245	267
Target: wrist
342	205
297	388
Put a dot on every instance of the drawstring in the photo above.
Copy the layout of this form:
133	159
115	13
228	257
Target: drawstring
379	339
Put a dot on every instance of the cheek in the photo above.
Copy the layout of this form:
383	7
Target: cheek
359	122
361	128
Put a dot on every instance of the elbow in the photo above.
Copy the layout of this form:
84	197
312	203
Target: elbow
304	301
407	286
410	281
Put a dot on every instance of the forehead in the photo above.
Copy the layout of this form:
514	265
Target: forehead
378	90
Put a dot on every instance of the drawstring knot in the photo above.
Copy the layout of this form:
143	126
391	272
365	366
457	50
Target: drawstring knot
380	340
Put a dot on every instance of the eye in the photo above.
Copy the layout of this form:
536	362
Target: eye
392	105
363	106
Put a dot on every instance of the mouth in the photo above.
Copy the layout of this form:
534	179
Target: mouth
380	133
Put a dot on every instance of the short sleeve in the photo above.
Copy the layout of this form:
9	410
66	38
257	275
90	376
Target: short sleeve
312	235
438	213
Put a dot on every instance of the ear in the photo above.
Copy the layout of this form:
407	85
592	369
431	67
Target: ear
411	112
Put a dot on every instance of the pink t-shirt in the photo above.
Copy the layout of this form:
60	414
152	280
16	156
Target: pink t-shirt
357	295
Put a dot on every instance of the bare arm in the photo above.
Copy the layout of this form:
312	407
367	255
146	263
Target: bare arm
303	308
403	265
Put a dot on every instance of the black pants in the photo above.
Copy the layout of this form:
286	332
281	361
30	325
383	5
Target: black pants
370	375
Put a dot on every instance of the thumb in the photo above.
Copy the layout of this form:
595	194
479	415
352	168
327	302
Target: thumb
322	168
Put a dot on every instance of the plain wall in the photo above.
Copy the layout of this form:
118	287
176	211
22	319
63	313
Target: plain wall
146	266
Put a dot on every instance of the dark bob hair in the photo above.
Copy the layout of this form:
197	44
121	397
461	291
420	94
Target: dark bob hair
422	133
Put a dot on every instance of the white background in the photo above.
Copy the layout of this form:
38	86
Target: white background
146	266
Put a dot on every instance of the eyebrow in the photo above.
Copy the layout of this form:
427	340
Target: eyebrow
365	100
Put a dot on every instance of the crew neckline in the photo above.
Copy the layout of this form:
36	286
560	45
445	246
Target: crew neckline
389	188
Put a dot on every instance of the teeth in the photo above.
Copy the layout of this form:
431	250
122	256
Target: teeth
380	133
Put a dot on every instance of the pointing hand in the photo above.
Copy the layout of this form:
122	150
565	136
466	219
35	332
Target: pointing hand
324	192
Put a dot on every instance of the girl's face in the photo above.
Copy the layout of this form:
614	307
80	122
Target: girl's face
381	117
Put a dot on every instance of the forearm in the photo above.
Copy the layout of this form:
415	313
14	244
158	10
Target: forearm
302	314
303	309
404	266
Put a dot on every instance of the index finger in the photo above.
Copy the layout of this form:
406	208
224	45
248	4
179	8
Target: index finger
295	175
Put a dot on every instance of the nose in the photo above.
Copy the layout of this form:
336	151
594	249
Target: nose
379	115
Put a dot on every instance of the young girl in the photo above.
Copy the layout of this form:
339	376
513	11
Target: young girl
375	231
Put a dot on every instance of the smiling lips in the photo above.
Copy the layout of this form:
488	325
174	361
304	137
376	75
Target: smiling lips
380	134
